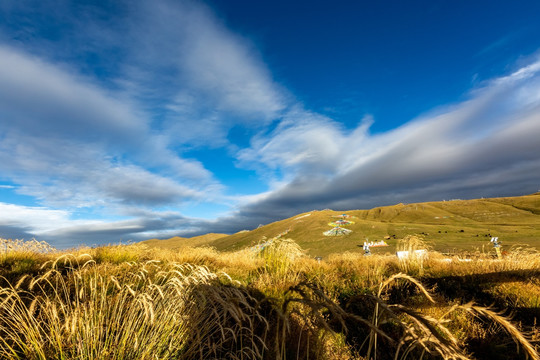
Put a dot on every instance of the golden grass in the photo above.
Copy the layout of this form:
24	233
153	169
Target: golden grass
151	311
416	251
507	325
136	302
18	245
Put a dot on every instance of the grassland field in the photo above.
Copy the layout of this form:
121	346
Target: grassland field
447	226
217	297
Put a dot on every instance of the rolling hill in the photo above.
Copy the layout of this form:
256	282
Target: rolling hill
447	225
177	242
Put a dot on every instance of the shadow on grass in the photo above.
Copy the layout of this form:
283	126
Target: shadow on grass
476	287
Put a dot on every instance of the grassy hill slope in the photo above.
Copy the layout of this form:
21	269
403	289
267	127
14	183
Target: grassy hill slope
178	242
447	226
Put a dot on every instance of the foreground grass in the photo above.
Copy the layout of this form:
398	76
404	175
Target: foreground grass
135	302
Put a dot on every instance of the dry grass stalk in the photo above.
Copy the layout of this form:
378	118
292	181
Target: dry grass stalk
280	254
415	250
118	304
506	324
147	312
19	245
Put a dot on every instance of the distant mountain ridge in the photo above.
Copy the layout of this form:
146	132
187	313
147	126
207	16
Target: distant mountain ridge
446	225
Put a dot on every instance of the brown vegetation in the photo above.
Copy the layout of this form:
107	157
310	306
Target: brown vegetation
137	302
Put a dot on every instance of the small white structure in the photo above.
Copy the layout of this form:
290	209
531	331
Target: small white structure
405	254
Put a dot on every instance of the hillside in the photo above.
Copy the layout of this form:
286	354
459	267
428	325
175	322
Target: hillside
177	242
446	225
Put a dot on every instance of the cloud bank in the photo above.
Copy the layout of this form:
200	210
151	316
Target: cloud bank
485	146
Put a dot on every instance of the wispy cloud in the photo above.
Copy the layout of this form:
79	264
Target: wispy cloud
101	118
182	80
90	120
58	228
66	141
31	219
486	145
185	62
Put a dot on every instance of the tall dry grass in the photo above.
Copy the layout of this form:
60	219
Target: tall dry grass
134	302
21	257
33	246
145	311
280	254
415	250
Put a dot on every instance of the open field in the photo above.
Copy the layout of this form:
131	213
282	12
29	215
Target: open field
177	241
141	302
448	226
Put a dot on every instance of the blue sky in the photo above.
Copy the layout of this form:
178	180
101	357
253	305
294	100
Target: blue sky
127	120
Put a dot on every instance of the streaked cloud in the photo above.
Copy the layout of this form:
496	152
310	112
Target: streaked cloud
101	119
114	143
486	145
183	59
31	219
67	141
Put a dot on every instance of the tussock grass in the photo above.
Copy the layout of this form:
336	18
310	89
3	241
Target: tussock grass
504	322
136	302
87	314
33	246
280	254
416	251
22	257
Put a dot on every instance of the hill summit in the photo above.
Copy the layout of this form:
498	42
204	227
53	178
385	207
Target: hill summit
445	225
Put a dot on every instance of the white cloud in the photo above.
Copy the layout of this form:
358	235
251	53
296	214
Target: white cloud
226	67
59	229
42	99
303	140
203	61
73	139
74	174
66	140
487	145
35	219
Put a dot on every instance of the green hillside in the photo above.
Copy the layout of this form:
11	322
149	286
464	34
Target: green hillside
178	242
447	225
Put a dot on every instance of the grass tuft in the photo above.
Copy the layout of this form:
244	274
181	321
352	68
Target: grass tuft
136	302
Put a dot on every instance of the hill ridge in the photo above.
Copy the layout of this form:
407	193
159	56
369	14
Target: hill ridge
447	225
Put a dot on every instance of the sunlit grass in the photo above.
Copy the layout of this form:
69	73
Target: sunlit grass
135	302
